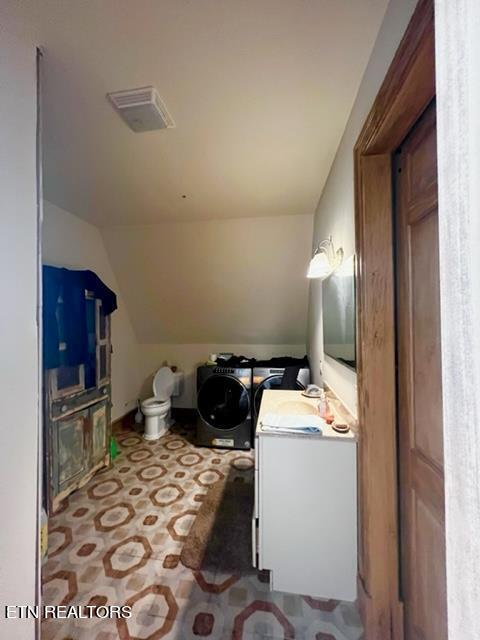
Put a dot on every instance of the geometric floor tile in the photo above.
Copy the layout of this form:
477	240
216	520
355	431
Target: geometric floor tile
127	556
154	608
151	472
189	459
105	488
180	525
118	540
167	494
61	587
219	585
115	516
207	477
59	539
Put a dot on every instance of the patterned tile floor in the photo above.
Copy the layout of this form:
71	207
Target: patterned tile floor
118	541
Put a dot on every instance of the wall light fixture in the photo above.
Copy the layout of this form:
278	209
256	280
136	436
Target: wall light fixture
324	260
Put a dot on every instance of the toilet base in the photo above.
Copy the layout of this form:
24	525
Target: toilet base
156	436
156	427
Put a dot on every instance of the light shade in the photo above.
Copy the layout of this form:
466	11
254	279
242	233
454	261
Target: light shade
319	266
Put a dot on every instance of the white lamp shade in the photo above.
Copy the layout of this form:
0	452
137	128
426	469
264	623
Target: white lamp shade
320	266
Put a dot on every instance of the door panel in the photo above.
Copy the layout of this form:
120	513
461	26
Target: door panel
99	432
72	461
425	339
420	436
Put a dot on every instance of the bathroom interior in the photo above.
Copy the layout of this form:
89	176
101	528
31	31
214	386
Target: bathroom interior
199	328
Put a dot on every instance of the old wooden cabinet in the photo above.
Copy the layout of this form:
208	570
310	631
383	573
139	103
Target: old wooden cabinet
77	410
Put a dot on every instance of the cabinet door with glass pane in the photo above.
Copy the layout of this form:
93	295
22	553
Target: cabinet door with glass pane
103	346
72	459
99	424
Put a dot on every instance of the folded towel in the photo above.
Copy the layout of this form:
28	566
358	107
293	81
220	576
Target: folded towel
304	423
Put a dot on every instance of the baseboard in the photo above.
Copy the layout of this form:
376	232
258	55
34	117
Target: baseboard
125	422
186	417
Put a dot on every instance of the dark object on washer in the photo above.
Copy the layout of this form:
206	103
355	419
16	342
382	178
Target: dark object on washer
272	378
224	407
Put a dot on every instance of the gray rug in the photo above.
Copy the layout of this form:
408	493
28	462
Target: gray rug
220	538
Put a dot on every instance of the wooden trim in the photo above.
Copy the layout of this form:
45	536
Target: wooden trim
124	422
408	88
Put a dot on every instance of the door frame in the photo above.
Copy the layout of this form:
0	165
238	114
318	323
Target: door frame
406	91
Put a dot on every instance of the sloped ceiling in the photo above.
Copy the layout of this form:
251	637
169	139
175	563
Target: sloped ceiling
237	281
260	91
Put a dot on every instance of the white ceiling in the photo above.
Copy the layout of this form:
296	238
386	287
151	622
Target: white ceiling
260	91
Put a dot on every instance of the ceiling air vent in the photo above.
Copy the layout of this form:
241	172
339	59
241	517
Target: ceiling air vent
142	109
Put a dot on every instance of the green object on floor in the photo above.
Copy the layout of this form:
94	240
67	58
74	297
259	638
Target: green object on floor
113	448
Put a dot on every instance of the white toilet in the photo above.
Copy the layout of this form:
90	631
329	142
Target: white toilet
157	408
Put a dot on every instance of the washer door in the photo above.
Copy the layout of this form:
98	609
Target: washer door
273	382
223	402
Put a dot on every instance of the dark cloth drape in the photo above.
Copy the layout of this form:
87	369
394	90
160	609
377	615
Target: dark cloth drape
71	286
289	378
273	363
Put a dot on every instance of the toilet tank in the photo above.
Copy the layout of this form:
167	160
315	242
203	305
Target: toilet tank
177	383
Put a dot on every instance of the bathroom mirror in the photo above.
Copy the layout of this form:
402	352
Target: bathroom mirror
338	311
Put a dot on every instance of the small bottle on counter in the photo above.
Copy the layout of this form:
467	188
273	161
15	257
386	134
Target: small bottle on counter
322	404
324	409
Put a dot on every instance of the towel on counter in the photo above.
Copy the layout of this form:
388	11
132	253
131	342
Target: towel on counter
304	423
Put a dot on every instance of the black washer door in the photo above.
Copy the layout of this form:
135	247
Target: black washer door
274	382
223	402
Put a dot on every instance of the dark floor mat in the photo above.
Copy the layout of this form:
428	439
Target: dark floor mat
220	538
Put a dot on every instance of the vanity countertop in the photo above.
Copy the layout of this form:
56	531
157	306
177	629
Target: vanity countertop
278	400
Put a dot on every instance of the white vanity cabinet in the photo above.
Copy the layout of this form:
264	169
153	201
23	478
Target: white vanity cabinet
305	519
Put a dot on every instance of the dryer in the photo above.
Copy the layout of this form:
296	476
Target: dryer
271	378
224	407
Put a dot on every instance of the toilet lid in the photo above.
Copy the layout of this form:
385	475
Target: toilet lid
163	383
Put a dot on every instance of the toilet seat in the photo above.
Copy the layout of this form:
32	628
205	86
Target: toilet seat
163	383
156	402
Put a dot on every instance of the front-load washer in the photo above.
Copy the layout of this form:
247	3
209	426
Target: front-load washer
271	378
224	407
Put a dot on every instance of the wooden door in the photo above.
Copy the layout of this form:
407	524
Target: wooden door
421	491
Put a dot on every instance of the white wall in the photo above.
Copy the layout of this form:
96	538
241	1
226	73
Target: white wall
188	356
335	211
236	281
457	27
19	409
69	241
194	288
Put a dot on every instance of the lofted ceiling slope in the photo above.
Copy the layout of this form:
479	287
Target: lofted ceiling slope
260	91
